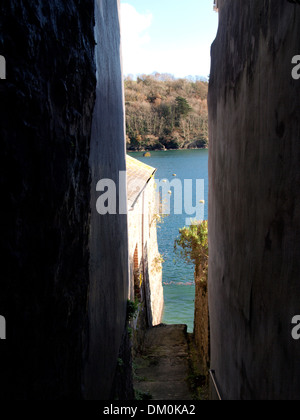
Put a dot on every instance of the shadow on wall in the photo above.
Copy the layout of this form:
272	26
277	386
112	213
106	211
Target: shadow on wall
254	202
64	274
108	291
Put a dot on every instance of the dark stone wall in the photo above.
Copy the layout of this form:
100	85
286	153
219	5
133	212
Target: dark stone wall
254	203
49	232
109	260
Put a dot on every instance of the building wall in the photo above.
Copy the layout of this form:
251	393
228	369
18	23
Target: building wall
109	281
142	229
64	281
254	203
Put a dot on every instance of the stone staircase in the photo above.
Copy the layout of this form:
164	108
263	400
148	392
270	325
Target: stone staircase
162	369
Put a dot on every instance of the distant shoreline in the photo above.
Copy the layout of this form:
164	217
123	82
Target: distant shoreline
166	150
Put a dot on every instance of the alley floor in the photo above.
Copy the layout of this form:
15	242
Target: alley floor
163	369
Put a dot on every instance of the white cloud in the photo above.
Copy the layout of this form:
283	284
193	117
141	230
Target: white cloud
141	54
182	62
134	27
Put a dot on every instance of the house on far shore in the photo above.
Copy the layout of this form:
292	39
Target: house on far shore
144	258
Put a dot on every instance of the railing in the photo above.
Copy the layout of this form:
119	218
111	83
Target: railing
212	376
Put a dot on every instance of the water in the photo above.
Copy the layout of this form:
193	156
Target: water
178	276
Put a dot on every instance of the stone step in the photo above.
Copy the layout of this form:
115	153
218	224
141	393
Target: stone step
162	368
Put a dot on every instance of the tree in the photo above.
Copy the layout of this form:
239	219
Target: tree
156	110
193	244
182	109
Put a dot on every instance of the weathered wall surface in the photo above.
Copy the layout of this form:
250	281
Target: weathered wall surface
254	204
46	107
153	269
64	268
142	228
109	272
201	324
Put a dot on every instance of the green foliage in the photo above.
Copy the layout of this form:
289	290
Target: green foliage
182	109
142	396
132	309
192	245
159	115
120	362
130	332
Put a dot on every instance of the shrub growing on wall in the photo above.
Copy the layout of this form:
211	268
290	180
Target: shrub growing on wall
192	245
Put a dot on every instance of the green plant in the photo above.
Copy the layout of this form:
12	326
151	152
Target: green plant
182	106
157	262
192	245
142	396
120	362
130	332
132	309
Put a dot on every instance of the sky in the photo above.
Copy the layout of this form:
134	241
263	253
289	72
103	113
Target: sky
167	36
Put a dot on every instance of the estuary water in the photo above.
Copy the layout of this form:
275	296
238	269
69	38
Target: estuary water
178	276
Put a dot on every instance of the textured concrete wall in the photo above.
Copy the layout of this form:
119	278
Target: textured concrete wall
64	270
142	228
254	203
109	272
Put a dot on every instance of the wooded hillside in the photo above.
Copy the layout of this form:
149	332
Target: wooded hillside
166	113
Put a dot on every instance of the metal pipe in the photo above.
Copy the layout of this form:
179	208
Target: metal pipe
212	375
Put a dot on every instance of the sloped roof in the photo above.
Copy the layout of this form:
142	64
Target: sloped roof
138	176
